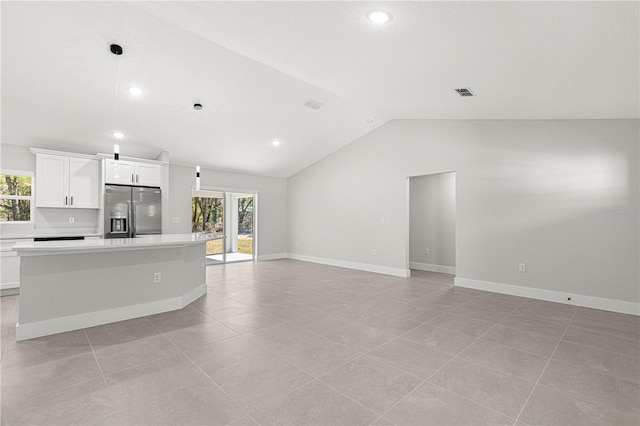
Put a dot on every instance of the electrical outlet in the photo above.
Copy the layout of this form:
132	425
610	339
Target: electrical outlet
175	219
157	277
426	251
72	219
374	252
522	267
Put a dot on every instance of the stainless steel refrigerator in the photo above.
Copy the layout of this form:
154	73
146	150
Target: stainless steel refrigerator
132	210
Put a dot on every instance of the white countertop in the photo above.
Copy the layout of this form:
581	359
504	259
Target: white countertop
112	244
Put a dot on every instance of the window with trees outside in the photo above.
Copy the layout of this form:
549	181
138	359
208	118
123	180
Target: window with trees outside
16	197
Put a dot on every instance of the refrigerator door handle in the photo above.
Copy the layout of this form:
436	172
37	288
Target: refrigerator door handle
129	220
135	219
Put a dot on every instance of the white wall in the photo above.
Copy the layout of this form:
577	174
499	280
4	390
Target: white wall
558	195
432	222
271	210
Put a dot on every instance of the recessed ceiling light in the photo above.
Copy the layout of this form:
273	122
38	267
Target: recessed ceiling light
275	142
118	135
136	91
379	16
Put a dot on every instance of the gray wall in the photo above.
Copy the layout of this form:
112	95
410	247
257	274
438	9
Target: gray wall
432	221
272	203
558	195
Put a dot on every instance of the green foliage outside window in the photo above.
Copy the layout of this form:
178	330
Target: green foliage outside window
15	198
206	215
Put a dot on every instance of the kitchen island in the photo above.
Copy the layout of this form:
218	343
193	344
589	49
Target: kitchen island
70	285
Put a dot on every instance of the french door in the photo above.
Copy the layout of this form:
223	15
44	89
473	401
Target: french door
228	221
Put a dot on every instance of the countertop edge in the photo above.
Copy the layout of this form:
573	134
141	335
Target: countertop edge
117	244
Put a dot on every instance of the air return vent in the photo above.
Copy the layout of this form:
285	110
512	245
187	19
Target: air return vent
313	104
464	92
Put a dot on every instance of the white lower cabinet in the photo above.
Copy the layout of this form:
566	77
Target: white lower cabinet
9	267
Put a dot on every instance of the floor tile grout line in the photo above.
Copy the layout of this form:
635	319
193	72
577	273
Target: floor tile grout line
134	341
544	369
211	380
453	357
600	348
315	378
104	379
603	373
4	367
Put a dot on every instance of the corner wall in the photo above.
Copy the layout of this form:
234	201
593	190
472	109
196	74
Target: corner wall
558	195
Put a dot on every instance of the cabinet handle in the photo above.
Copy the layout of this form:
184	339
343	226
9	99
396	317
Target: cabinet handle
136	178
66	199
131	178
72	200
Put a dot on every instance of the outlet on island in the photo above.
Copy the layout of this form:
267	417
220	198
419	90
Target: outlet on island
157	277
72	219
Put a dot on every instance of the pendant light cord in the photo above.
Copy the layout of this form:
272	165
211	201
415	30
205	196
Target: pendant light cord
116	120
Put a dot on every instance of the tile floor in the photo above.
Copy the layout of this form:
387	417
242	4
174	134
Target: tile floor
287	342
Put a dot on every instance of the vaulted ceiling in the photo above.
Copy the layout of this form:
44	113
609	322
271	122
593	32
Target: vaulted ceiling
253	65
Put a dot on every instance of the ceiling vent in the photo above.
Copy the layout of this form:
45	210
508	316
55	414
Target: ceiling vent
464	92
313	104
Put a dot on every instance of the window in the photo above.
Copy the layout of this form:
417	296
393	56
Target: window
16	197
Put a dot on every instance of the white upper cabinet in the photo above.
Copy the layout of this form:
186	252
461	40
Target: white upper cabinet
148	174
52	180
133	173
84	178
67	181
121	172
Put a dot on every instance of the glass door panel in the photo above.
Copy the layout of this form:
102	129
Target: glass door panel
207	218
240	229
227	220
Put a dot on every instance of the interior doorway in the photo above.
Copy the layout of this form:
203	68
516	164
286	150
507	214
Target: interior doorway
227	219
432	223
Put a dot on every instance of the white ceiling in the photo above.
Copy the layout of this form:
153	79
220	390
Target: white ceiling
254	64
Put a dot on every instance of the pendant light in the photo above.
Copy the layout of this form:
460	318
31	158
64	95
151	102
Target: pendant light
197	107
117	51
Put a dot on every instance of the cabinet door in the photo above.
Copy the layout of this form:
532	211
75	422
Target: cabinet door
83	183
125	175
148	174
52	180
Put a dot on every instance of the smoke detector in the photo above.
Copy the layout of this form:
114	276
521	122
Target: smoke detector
464	92
313	104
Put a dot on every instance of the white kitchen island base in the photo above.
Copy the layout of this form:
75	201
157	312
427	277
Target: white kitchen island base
70	285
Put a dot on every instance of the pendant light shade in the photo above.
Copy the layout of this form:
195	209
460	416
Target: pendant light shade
197	107
117	51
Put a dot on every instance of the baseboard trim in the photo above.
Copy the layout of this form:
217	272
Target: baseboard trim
552	296
9	291
433	268
107	316
274	256
386	270
10	285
